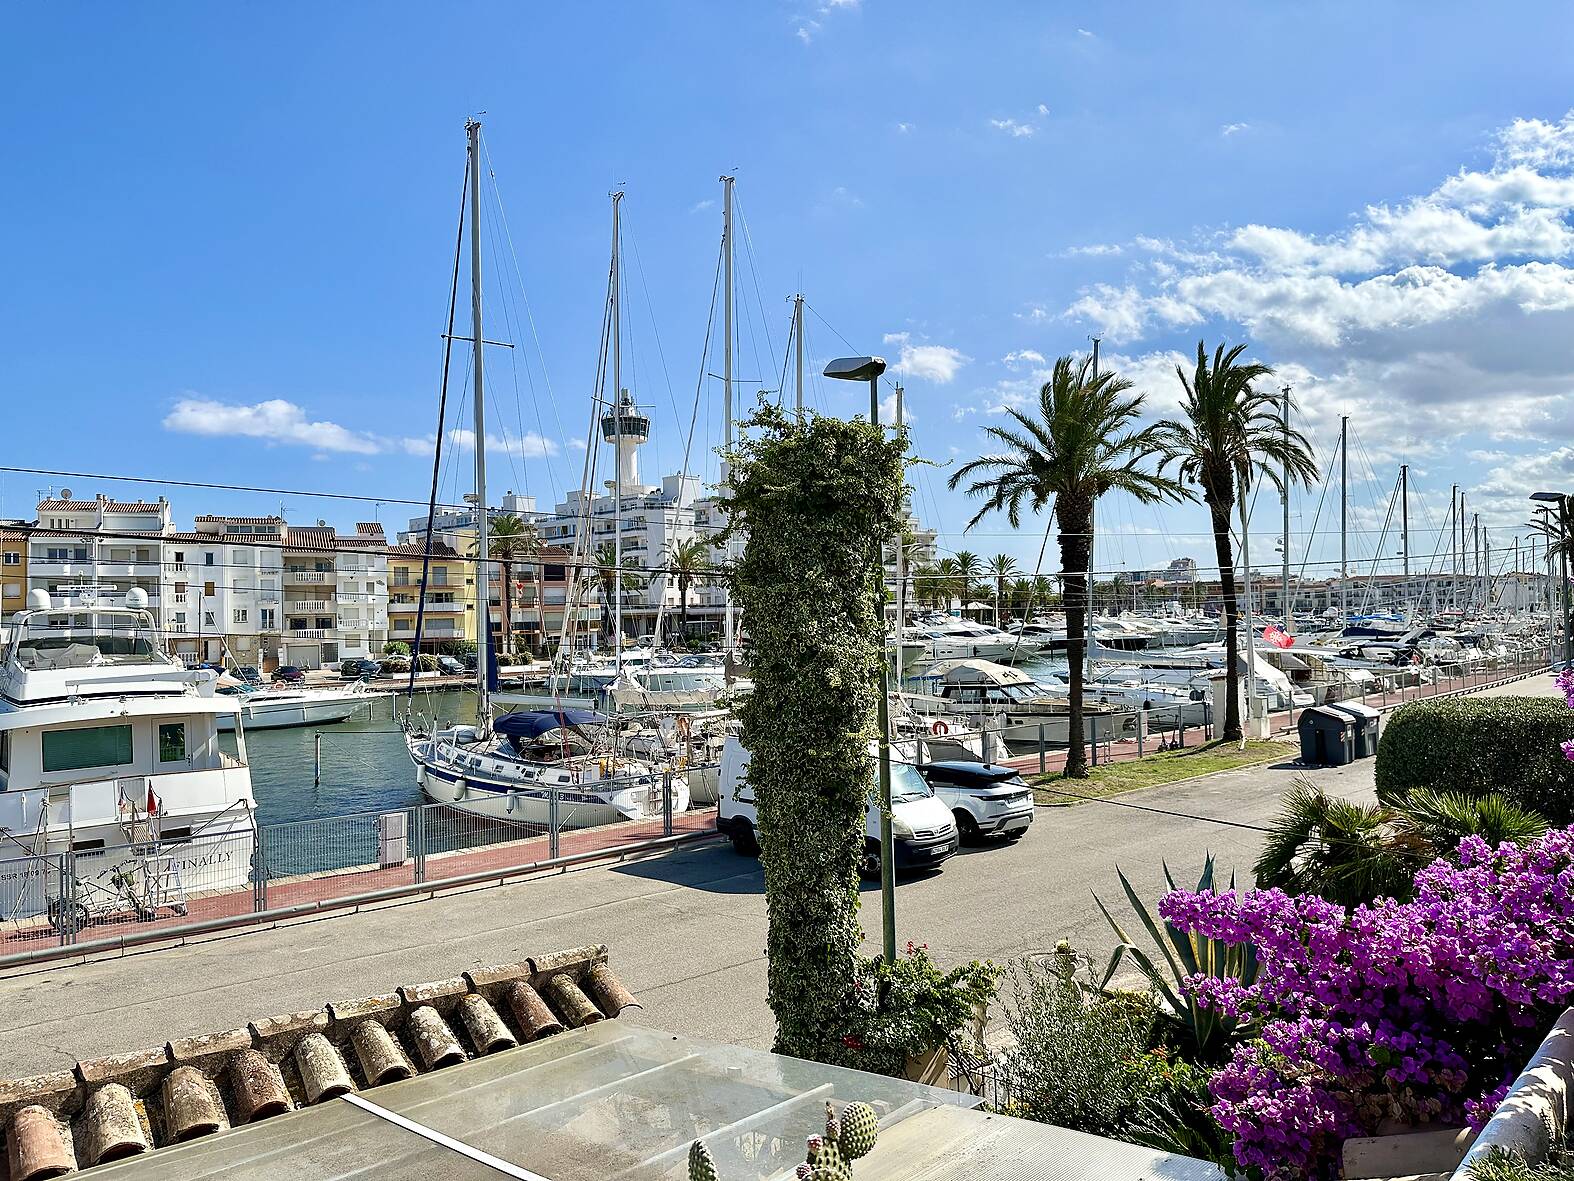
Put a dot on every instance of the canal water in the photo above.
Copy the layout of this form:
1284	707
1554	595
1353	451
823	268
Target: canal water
365	766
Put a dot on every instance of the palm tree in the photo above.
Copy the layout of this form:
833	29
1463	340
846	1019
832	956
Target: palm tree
1232	425
969	568
1082	442
512	540
1351	853
946	578
609	583
1001	567
689	560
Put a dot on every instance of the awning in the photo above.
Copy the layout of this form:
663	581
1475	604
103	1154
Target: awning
537	722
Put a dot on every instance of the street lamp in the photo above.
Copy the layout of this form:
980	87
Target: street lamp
1565	503
869	369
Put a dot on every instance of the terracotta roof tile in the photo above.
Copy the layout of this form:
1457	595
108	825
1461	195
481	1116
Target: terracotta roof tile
67	506
241	520
133	1104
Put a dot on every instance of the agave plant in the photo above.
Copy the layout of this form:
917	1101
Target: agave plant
1182	955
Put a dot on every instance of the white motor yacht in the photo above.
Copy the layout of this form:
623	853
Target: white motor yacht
948	638
109	756
274	709
1012	704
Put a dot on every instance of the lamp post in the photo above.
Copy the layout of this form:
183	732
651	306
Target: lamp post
869	369
1565	503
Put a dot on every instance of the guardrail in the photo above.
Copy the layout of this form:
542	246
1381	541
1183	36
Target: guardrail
63	904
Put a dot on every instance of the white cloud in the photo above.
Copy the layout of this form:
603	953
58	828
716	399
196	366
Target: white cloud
701	206
1019	357
274	420
807	30
1012	128
1094	250
530	446
928	362
903	128
1084	33
1042	109
1234	128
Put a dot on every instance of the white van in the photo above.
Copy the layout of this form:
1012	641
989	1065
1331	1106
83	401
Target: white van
923	830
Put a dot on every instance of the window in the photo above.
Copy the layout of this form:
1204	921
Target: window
207	560
171	742
180	557
13	558
13	589
324	622
240	615
267	619
401	577
207	588
440	576
208	619
180	618
87	746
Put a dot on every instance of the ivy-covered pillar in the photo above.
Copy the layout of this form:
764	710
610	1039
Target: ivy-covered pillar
817	498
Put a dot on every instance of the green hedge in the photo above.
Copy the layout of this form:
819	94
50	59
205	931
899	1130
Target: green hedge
1475	745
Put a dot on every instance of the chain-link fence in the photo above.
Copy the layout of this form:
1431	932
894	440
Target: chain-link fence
88	895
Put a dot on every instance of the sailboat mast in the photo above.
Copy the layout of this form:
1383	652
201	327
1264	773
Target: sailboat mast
1404	519
797	336
1344	517
1284	499
1453	546
1092	607
617	418
483	590
726	375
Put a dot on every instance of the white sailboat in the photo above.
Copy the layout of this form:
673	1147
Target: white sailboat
550	767
274	709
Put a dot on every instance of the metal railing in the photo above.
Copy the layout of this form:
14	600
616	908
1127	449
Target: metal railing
135	893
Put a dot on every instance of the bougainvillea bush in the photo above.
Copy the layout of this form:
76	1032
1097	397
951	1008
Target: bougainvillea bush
1417	1012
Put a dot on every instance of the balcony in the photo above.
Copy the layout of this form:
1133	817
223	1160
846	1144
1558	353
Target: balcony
309	606
434	607
307	633
174	567
307	577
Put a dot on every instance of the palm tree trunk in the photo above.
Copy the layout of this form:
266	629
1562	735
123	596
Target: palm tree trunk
683	607
1075	520
505	641
1232	619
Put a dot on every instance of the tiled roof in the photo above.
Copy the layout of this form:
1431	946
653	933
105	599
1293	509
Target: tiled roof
242	520
106	1109
133	506
67	506
415	549
369	529
310	537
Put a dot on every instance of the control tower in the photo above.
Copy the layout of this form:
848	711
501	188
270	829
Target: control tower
635	429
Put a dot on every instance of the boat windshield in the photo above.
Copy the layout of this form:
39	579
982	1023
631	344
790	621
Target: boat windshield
63	641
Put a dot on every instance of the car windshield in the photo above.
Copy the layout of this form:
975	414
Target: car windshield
906	783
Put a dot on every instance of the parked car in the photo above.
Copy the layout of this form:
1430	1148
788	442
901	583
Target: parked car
249	674
987	799
450	665
471	661
289	674
922	828
357	669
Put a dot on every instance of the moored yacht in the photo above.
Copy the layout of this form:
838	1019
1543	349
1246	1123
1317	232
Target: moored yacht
1012	704
109	753
274	709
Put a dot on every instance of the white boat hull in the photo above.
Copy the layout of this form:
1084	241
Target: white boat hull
278	715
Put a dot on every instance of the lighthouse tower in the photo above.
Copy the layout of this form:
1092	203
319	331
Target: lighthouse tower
626	429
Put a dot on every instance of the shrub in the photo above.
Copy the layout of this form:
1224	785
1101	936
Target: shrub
1173	1113
1075	1050
1503	1165
1509	745
1413	1011
396	648
909	1007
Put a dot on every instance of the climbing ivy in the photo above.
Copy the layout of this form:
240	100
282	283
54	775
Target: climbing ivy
816	498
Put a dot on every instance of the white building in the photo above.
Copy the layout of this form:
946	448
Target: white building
113	545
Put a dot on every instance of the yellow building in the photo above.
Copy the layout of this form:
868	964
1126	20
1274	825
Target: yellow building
13	568
449	594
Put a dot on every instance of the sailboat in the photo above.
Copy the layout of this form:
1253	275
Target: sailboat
556	766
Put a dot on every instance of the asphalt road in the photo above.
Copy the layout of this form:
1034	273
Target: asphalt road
686	930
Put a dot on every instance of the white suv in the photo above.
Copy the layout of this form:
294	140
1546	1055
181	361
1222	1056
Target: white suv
988	799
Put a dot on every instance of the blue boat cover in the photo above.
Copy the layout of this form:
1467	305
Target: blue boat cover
537	722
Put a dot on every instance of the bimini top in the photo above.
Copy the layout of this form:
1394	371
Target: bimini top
534	723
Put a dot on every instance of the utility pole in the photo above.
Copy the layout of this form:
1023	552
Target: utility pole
1284	497
883	720
1344	517
797	336
483	610
728	626
901	580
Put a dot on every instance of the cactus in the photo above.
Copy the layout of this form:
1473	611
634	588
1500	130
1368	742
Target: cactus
701	1166
830	1157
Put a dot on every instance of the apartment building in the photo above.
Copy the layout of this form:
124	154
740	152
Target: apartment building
335	594
449	594
222	590
112	545
13	566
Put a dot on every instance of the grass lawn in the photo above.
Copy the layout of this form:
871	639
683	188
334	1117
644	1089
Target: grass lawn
1108	779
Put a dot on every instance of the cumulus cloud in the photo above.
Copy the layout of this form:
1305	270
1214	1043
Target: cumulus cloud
1013	128
1230	129
1019	357
530	446
928	362
274	420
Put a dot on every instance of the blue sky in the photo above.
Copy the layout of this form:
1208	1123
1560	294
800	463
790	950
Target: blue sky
228	230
